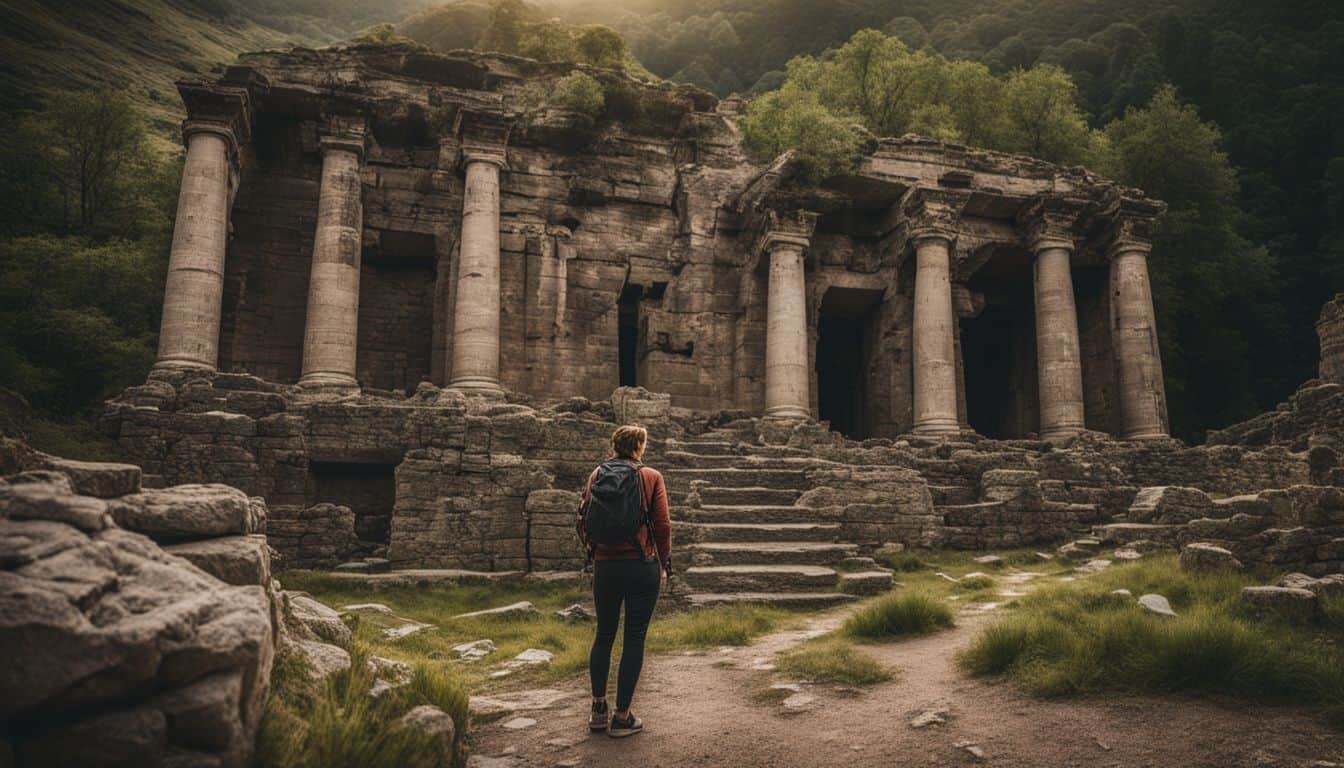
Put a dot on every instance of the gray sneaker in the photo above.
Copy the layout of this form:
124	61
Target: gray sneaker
621	728
597	721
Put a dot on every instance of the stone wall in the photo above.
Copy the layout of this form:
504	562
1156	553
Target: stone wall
1330	328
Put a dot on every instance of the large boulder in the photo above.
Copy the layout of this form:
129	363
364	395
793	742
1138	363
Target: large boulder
104	480
322	621
117	653
190	512
1207	557
637	405
239	560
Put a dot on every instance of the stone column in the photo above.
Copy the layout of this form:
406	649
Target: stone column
476	313
189	332
333	285
935	364
1059	364
787	394
1142	395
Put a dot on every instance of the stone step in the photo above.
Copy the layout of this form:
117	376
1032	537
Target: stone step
954	494
702	447
760	578
792	600
726	532
1124	533
769	553
750	513
733	477
865	582
749	495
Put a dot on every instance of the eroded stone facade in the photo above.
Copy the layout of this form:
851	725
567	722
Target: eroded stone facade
418	334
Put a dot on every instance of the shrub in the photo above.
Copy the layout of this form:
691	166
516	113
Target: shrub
577	92
913	613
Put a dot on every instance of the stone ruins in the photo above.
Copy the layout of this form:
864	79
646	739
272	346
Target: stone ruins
407	302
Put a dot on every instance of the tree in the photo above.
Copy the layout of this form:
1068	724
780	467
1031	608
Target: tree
1040	108
504	33
84	165
794	118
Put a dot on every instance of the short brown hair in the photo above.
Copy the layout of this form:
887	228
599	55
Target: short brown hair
628	439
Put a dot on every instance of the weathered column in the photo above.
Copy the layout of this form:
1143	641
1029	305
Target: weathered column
333	285
787	394
935	364
189	332
1059	364
476	314
1142	396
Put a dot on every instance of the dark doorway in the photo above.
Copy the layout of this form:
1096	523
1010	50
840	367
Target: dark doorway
844	351
369	490
628	334
998	353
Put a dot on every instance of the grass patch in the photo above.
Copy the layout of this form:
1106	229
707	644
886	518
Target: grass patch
902	562
336	723
832	660
1079	638
898	615
713	627
570	643
975	583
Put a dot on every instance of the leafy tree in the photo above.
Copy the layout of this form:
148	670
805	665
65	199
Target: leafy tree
794	118
578	92
82	165
1040	109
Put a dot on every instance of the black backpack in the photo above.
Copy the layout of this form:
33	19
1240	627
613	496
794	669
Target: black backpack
615	508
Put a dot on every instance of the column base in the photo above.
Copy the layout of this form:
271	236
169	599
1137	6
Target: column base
1060	434
183	364
328	382
948	426
477	385
789	412
1145	436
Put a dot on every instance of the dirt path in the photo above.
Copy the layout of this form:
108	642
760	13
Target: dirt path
699	711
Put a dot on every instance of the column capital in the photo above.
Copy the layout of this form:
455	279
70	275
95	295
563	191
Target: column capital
495	156
345	134
192	128
931	214
1131	226
1051	222
224	104
785	228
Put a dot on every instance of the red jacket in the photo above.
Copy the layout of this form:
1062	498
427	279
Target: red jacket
655	501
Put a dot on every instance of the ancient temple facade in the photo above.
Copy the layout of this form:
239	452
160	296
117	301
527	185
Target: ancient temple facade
370	218
409	298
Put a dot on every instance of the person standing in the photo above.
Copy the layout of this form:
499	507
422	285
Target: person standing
625	527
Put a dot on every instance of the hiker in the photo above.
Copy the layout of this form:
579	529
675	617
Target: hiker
624	525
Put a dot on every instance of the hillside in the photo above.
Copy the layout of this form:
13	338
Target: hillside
141	46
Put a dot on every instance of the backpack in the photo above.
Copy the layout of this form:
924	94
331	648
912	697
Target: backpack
615	507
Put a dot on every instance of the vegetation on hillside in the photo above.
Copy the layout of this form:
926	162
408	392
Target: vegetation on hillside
87	207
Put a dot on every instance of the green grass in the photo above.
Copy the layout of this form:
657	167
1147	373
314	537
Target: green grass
975	583
898	615
336	723
833	660
1078	638
570	643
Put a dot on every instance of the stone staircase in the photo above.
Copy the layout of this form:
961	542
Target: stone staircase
740	534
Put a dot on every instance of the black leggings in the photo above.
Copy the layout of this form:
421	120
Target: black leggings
635	583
